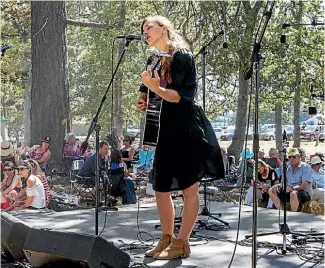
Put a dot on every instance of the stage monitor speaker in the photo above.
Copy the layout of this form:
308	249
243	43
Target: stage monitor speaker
13	235
48	248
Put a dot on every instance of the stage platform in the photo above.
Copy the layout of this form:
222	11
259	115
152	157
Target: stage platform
122	226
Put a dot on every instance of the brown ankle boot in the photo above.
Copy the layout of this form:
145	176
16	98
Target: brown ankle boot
179	248
164	241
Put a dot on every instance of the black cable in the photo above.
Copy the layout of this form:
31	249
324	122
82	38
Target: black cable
112	55
243	177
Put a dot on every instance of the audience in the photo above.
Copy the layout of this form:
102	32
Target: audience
127	151
41	153
298	183
88	169
274	153
317	179
10	185
23	148
37	171
72	147
267	177
8	153
34	189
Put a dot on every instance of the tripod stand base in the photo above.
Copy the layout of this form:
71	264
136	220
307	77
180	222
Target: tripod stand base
203	224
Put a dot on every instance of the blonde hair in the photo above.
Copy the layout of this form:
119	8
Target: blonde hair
175	43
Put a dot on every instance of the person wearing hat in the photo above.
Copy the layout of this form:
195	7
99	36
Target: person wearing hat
41	153
299	176
317	179
34	189
8	153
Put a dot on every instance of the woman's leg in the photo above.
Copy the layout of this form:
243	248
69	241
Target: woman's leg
166	212
190	211
180	248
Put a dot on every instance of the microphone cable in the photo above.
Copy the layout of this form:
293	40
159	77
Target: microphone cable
243	178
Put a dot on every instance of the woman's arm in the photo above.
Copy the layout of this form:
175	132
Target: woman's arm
29	199
131	154
153	83
45	158
13	185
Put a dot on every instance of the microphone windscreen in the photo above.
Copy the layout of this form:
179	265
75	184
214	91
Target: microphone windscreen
312	110
225	45
283	38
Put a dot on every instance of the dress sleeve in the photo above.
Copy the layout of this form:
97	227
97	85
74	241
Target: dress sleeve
183	75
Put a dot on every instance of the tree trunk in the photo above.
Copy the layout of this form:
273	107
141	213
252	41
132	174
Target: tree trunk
278	126
296	107
118	112
241	118
297	99
49	95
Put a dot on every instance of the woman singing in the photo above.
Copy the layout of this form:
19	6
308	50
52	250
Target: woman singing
187	148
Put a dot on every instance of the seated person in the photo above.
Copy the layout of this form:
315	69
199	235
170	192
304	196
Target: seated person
34	188
72	147
41	153
302	154
10	186
267	177
261	154
298	183
88	169
8	153
317	179
274	154
248	156
127	151
23	148
116	162
37	171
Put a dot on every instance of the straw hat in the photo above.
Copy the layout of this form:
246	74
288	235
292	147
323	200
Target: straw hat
6	148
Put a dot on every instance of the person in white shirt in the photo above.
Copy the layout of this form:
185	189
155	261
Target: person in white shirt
34	189
317	179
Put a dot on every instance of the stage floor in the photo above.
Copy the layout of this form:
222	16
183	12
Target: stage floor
122	225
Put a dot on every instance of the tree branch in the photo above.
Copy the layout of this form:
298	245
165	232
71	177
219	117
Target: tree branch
90	24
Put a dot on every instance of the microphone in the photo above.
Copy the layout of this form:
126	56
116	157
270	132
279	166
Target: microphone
312	110
283	35
224	44
4	48
140	37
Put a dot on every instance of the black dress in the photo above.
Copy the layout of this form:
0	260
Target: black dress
184	128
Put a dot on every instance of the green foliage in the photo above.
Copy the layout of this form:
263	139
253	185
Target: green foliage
90	54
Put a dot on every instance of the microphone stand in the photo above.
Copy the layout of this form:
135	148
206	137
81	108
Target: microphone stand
94	126
255	62
205	211
284	229
203	52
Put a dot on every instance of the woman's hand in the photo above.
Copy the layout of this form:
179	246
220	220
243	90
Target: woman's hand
150	82
141	105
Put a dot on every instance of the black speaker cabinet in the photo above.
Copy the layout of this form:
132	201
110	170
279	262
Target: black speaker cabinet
13	235
47	248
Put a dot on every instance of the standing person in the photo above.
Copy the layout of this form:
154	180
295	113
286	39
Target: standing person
317	132
182	125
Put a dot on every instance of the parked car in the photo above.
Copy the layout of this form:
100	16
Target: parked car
308	132
322	136
268	134
218	131
227	136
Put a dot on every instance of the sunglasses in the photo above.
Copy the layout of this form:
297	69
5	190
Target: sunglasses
293	156
8	169
318	164
21	168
